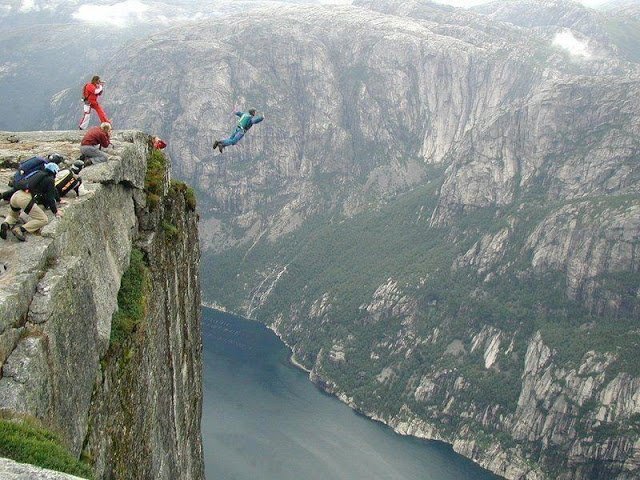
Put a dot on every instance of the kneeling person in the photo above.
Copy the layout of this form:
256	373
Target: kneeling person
40	186
94	140
68	179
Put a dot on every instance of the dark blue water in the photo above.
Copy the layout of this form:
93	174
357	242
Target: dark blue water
263	420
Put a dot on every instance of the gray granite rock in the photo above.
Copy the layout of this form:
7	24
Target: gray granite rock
135	410
10	470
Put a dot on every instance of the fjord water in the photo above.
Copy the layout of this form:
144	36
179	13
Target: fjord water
263	419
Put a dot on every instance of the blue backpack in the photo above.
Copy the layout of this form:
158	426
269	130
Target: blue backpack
27	169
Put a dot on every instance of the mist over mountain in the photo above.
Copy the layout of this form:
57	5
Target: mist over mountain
440	213
49	45
621	5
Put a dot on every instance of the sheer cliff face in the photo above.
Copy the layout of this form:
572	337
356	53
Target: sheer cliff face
440	212
133	411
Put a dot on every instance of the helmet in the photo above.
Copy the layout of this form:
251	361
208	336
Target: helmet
52	167
77	166
55	158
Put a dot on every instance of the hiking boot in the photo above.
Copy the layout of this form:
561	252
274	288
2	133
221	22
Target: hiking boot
18	232
215	144
220	147
4	228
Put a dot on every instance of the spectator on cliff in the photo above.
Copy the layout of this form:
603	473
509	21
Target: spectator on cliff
38	187
246	120
27	168
158	143
90	93
93	142
68	180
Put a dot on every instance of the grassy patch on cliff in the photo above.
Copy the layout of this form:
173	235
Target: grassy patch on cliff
25	441
132	299
178	187
154	179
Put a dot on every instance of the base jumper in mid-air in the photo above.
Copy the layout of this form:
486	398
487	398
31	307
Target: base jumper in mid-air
246	120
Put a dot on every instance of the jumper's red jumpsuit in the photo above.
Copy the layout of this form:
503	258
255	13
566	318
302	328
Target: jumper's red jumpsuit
91	93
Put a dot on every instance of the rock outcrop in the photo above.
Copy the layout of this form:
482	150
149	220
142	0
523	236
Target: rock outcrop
10	470
133	409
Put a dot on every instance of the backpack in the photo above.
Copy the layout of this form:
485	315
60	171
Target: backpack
26	169
66	181
85	94
245	121
30	181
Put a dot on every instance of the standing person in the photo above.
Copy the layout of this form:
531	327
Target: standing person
93	141
245	122
39	187
90	94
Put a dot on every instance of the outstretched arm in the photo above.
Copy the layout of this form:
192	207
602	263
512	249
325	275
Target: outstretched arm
257	119
238	114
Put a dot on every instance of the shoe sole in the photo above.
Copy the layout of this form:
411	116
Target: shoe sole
4	229
19	235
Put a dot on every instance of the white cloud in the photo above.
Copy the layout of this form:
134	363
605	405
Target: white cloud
571	44
118	14
28	6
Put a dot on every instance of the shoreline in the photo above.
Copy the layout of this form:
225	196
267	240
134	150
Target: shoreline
292	356
215	306
403	428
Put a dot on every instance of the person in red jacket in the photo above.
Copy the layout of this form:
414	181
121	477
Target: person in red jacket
90	94
94	141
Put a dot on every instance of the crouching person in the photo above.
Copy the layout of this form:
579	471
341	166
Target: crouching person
38	187
94	141
68	179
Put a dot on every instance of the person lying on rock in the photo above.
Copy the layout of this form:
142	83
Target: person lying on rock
93	142
40	186
246	120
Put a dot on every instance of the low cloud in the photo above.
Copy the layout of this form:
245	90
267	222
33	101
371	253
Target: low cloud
135	12
567	41
119	14
28	6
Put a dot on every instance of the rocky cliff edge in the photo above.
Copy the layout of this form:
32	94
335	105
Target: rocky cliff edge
132	410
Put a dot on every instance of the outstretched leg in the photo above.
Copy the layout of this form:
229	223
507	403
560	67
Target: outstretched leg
101	115
233	139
